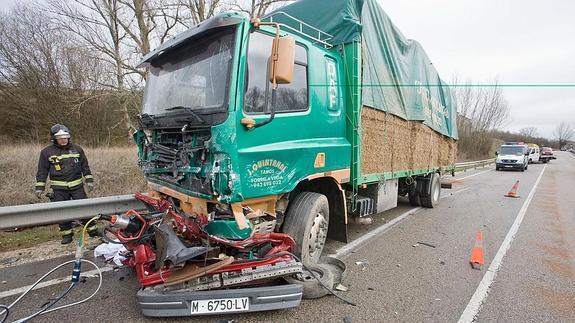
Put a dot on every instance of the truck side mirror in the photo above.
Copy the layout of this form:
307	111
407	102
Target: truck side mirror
496	153
282	60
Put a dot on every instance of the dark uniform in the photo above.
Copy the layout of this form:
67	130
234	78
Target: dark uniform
68	169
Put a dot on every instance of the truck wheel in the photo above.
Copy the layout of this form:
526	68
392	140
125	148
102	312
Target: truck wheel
312	288
431	199
307	221
414	198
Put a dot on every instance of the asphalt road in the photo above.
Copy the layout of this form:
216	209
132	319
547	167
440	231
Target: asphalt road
529	272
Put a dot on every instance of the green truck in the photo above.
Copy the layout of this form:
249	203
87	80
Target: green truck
297	122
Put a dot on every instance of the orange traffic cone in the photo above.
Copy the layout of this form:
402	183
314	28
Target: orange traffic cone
477	258
513	192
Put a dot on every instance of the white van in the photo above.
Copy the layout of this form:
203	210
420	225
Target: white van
514	155
534	153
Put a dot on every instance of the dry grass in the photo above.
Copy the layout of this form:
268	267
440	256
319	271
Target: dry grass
115	172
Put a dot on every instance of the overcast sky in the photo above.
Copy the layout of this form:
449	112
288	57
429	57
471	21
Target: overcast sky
518	41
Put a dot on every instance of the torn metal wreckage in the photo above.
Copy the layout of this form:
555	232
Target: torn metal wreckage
183	259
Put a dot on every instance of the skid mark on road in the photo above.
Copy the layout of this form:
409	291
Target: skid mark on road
560	301
549	209
560	267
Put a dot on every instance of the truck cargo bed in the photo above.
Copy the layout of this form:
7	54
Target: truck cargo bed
392	144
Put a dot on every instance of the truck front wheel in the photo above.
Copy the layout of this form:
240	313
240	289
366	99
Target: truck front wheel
307	221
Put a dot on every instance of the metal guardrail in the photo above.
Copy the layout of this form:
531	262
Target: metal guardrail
473	164
47	213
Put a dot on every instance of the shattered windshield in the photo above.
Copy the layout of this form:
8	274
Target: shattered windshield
518	151
193	77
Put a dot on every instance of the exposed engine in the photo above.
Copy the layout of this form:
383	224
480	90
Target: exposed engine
180	158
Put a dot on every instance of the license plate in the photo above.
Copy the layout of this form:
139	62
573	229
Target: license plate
222	305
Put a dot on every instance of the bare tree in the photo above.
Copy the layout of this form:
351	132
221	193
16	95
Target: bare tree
31	76
46	78
118	32
529	132
257	8
199	10
481	109
564	132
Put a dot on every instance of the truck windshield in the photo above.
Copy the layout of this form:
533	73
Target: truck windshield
518	150
195	76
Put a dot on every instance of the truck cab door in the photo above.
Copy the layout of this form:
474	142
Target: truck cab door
307	134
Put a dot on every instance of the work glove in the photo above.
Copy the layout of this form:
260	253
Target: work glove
39	193
90	187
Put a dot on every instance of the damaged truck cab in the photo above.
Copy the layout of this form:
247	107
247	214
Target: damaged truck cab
259	138
219	137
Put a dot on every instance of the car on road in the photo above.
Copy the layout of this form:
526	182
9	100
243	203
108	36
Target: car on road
534	153
546	154
512	156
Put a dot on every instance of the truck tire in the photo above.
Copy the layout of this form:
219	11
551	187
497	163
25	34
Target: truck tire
431	198
312	288
414	198
307	221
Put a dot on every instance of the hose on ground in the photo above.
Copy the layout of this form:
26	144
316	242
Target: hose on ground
75	276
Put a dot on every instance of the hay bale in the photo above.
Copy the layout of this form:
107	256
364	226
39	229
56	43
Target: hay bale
391	144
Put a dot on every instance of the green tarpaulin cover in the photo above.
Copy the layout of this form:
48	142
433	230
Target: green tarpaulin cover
397	75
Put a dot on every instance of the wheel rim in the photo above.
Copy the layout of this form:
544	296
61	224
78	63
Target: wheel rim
436	192
317	235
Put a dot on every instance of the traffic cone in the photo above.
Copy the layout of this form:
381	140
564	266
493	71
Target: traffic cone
477	259
513	192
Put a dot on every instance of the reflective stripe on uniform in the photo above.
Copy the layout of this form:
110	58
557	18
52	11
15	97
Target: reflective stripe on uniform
55	158
89	177
66	232
67	184
40	183
64	156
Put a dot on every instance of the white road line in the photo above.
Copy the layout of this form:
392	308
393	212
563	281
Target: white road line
348	248
474	174
20	290
480	294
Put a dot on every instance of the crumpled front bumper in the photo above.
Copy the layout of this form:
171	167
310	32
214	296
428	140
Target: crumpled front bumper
179	303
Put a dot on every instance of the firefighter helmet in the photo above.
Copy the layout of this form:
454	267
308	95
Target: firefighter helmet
59	131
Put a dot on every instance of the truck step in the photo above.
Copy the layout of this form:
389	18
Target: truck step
365	206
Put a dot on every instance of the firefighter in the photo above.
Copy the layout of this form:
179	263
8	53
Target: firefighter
67	166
